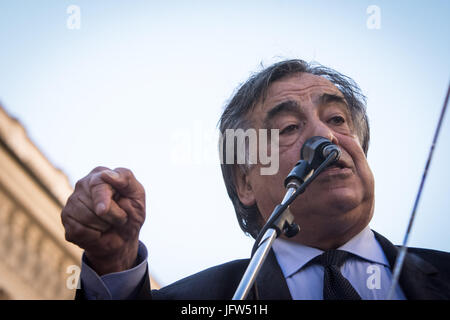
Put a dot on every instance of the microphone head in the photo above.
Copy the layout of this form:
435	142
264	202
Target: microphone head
316	149
332	148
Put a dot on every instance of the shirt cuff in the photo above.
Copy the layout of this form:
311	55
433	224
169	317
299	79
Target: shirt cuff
114	286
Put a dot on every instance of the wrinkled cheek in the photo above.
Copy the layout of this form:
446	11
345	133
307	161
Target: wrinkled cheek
368	182
269	191
360	161
288	159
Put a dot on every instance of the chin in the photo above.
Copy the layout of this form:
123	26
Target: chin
335	202
342	200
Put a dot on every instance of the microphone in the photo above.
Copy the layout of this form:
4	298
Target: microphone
315	151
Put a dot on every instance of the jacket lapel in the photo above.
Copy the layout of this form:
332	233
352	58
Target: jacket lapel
419	279
270	281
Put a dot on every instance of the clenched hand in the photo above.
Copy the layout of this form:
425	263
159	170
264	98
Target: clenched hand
103	216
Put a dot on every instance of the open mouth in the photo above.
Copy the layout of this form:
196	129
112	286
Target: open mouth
338	167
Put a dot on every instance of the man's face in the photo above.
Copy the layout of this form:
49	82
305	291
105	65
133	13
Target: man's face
341	198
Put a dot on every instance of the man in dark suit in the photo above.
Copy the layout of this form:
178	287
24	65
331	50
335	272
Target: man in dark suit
334	256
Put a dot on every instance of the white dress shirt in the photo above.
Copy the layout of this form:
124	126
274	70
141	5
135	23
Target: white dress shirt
368	273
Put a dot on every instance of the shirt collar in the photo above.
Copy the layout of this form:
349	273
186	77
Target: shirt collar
292	256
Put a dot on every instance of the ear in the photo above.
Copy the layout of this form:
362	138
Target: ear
244	188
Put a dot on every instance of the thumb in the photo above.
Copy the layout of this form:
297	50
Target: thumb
124	182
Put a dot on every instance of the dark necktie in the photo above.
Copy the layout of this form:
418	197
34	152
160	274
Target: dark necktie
335	285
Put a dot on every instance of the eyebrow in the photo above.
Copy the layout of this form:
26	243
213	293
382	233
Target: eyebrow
289	106
328	98
293	107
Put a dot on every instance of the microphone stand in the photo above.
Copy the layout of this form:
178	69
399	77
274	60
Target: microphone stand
285	219
280	221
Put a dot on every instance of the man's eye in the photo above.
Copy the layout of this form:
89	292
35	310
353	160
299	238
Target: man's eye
289	129
337	120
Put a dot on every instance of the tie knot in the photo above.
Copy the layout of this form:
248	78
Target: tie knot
333	258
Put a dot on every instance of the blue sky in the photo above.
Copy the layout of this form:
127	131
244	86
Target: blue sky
142	85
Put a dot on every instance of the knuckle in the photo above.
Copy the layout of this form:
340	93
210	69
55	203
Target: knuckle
70	200
66	210
125	171
94	180
68	232
139	187
63	214
141	192
98	169
91	181
79	184
71	205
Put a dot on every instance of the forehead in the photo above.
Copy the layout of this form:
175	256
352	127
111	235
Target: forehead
301	86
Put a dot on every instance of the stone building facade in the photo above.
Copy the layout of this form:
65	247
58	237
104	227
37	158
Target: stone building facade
36	262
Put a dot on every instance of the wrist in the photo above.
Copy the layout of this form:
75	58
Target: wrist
121	260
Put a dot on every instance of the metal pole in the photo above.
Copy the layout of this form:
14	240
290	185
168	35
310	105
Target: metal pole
255	265
260	255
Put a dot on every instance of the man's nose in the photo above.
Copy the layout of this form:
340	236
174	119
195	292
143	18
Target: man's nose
319	128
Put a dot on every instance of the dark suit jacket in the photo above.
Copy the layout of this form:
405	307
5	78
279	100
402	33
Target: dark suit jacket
425	275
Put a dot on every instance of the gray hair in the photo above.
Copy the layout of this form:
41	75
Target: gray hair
255	89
